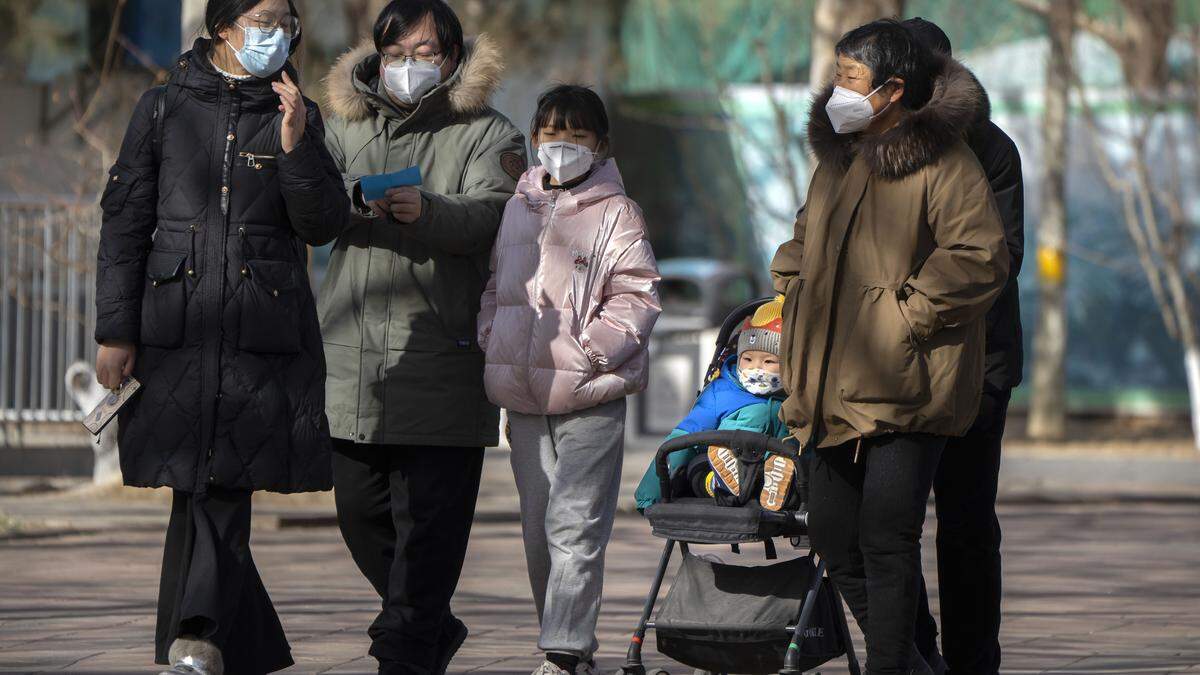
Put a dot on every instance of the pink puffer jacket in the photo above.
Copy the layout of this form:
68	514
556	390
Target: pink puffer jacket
572	298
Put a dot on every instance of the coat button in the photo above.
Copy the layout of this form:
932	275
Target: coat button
191	273
224	189
154	284
242	231
116	179
193	227
232	85
229	137
275	292
245	272
362	437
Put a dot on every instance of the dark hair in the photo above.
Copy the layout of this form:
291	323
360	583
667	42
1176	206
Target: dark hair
930	35
571	106
221	14
400	16
891	50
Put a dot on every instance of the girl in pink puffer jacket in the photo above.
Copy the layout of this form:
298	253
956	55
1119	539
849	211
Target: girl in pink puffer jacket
564	320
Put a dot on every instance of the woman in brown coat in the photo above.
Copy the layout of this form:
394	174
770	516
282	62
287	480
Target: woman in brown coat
897	256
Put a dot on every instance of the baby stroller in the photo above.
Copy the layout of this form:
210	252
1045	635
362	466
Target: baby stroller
784	617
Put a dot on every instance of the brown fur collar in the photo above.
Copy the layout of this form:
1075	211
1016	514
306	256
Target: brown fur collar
957	105
470	89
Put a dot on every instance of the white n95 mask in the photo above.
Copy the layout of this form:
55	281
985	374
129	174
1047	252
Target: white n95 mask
850	111
409	79
565	161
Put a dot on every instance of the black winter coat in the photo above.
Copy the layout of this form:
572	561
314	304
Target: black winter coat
1001	162
202	265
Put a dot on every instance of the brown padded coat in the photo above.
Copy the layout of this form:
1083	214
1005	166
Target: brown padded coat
896	258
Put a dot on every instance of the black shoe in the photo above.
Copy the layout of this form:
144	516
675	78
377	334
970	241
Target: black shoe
454	634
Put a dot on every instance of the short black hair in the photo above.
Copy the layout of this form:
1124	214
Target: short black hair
572	106
399	16
891	50
221	14
930	34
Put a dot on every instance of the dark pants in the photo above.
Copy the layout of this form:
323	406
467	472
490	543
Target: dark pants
210	588
405	512
865	522
968	547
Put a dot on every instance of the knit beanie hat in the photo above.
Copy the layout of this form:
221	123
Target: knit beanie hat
763	331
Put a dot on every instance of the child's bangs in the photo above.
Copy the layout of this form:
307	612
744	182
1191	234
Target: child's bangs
561	115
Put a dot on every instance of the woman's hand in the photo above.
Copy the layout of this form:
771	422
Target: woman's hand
114	362
294	113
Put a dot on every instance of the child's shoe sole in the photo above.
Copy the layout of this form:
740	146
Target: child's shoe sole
725	463
777	481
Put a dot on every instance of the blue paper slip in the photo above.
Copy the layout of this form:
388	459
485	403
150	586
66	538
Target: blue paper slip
374	187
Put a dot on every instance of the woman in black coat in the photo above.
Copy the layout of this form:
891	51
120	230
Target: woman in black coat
203	297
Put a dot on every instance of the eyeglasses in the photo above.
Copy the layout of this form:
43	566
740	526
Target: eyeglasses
430	57
268	23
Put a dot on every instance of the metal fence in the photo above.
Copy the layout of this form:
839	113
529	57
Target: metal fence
47	306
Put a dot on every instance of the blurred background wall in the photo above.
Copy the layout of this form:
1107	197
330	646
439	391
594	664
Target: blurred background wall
709	99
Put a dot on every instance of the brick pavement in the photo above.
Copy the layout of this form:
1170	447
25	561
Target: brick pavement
1090	589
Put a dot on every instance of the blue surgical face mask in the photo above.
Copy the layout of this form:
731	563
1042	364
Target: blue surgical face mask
262	54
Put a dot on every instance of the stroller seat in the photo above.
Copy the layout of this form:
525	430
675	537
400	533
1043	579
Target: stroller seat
700	520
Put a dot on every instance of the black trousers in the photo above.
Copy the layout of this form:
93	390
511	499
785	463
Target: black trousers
865	522
968	546
405	512
210	587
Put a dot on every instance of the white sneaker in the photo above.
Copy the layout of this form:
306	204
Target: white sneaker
194	656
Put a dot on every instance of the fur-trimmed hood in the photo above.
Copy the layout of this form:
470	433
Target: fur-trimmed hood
352	85
957	105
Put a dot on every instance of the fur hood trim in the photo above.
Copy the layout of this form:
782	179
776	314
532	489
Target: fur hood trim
470	87
957	105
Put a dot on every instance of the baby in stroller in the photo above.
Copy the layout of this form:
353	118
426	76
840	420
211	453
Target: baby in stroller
743	395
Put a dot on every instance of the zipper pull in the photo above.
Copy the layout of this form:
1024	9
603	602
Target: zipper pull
857	449
250	158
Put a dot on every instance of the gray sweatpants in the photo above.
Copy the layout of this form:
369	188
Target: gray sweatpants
568	473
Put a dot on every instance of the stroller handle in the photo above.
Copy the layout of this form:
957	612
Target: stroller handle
745	444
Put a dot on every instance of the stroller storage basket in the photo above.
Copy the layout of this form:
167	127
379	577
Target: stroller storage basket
731	618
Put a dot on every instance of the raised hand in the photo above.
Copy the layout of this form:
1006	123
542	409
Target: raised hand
291	103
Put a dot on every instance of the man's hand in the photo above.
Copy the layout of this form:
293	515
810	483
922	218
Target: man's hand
404	204
114	362
291	104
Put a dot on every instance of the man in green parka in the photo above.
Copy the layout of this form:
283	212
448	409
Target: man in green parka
406	405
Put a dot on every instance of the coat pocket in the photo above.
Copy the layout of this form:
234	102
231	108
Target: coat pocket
451	288
164	300
120	184
879	363
270	308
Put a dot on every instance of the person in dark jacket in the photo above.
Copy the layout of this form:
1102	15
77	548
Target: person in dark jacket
968	537
203	297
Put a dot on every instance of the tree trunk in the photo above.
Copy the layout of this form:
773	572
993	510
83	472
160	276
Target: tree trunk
1191	364
832	19
192	20
1048	407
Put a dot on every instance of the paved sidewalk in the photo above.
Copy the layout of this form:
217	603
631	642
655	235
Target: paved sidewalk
1091	588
